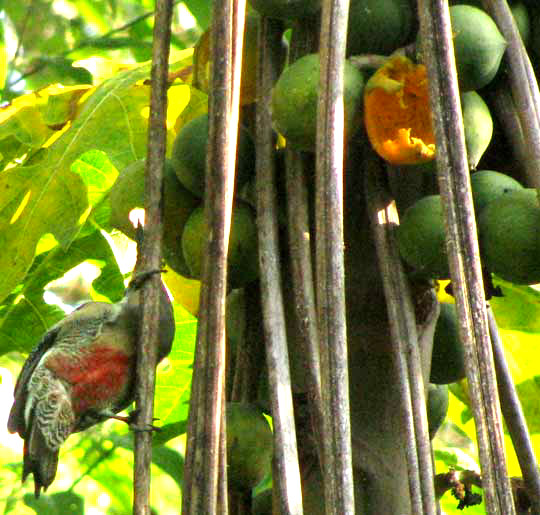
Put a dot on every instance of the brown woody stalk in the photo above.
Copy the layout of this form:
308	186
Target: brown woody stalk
286	468
515	419
300	243
150	258
384	218
463	252
205	488
330	268
523	85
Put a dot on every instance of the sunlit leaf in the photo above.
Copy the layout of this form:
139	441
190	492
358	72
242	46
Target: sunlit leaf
115	476
529	393
25	316
58	503
185	291
168	460
62	103
3	52
48	197
518	308
174	376
449	458
201	10
97	172
23	119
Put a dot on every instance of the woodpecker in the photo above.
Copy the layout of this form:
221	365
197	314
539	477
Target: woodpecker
81	373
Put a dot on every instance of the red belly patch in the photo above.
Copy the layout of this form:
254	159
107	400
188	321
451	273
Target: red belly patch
99	376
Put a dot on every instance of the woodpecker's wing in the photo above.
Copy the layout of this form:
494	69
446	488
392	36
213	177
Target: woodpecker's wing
50	422
16	423
16	415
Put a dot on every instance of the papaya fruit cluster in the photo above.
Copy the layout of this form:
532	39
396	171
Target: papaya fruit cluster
386	109
185	231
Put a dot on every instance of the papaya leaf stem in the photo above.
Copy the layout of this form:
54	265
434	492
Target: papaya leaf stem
523	85
205	487
515	419
149	258
384	218
463	250
329	251
286	466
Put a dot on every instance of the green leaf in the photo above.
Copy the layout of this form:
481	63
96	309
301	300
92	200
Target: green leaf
528	393
518	308
10	149
117	42
59	503
114	474
449	505
201	10
64	69
168	432
62	103
25	316
47	197
170	461
3	51
36	200
173	386
141	31
97	172
449	458
23	120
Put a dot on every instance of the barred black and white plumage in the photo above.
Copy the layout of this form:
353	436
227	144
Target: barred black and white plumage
82	372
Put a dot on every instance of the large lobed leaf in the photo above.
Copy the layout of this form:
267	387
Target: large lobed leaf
173	385
48	194
25	316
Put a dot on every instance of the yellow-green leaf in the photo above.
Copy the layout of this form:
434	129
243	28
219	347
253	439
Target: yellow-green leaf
46	196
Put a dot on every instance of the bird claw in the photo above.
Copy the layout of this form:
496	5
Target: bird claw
130	420
150	428
138	280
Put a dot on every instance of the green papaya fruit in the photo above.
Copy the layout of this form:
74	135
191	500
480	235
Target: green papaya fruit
127	193
295	97
421	238
249	446
437	407
188	155
488	185
243	261
478	126
448	354
478	46
378	26
509	230
519	10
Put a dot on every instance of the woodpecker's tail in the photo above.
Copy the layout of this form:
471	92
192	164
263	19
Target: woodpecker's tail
40	460
50	421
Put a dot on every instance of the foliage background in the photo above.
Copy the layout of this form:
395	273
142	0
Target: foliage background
60	152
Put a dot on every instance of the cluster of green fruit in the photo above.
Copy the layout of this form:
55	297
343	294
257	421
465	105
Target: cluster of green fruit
381	27
508	214
508	226
185	232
